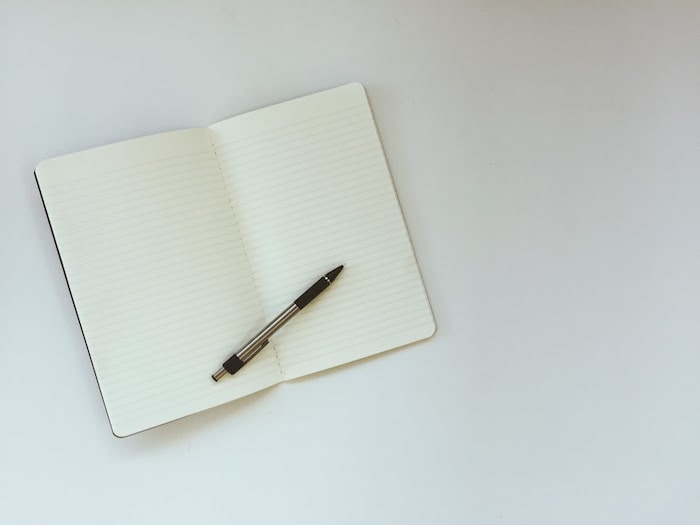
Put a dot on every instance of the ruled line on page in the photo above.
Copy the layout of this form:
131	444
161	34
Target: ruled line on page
292	209
159	233
101	252
355	178
197	401
168	374
285	182
374	340
131	197
352	294
115	315
153	322
283	128
129	180
176	270
282	166
93	176
347	133
207	329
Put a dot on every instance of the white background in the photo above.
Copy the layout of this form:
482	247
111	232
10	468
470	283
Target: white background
547	158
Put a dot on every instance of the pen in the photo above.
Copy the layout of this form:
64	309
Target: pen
261	339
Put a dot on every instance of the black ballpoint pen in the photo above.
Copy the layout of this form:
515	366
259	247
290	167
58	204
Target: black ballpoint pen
261	339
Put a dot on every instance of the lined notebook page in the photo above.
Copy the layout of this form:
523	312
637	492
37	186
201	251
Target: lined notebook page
311	189
159	276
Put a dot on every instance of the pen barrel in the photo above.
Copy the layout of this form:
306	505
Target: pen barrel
253	346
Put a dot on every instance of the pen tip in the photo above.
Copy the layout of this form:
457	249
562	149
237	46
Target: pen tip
334	273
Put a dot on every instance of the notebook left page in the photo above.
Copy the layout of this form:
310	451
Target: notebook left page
158	273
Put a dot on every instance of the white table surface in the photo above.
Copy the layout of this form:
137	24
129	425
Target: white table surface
547	159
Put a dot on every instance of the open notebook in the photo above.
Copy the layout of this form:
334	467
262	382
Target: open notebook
178	247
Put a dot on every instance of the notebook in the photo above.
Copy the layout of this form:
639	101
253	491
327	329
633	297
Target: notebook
178	247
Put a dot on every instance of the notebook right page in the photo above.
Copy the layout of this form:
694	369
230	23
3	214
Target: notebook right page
312	190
